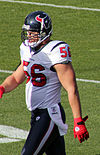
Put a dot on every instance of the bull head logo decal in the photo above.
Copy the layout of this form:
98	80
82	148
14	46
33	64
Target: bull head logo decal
41	20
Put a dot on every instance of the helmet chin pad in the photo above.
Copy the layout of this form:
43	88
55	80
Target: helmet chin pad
32	44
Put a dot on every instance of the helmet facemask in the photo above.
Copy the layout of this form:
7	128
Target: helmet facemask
37	38
31	38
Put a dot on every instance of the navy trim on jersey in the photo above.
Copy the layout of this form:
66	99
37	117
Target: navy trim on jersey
52	67
37	51
62	42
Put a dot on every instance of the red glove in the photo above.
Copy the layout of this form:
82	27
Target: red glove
80	130
2	90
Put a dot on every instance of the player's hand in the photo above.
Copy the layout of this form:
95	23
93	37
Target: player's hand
2	90
80	130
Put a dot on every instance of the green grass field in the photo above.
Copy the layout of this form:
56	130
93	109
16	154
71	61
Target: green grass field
81	30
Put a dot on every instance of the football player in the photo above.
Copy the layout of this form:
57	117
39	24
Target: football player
46	64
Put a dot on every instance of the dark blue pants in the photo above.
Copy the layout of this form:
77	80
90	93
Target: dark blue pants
44	135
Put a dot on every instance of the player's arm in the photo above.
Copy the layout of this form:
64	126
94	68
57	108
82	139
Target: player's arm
12	81
67	78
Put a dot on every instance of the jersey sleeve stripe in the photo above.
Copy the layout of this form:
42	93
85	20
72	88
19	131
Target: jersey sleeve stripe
57	45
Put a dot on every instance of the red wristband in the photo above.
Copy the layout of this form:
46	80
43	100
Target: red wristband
2	89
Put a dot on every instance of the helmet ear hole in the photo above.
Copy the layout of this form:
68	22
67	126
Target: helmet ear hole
40	22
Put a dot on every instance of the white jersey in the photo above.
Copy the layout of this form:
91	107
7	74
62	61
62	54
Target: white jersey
43	86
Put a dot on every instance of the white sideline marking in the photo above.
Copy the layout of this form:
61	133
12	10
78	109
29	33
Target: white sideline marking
85	80
12	134
5	71
82	80
51	5
8	140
